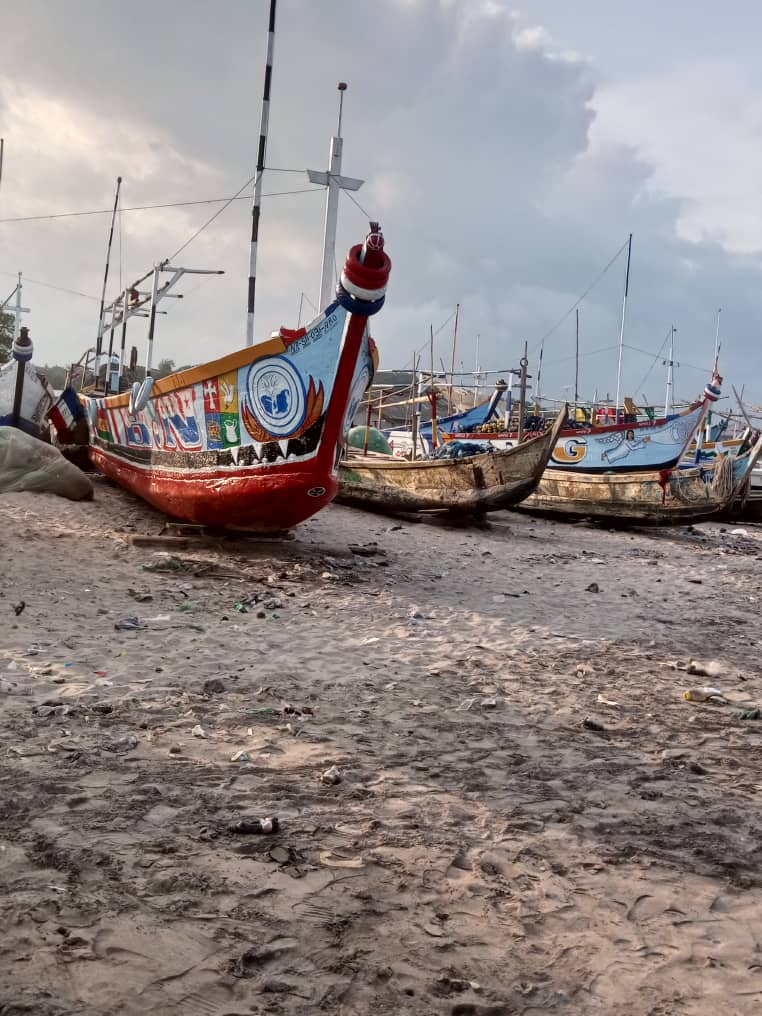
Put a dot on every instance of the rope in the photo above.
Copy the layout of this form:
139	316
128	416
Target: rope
168	204
577	302
211	220
722	481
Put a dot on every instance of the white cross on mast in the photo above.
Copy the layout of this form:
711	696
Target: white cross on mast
333	181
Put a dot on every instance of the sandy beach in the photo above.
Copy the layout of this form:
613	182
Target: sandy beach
529	818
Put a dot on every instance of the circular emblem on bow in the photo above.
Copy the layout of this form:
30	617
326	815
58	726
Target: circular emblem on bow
276	395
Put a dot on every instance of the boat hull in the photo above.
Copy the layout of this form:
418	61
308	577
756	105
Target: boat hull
248	442
633	447
263	500
660	498
36	399
468	486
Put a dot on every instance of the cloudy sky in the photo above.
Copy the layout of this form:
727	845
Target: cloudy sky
507	152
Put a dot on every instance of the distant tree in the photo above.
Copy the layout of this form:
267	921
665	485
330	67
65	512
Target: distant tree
6	336
165	367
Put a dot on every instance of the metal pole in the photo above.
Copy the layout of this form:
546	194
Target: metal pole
152	322
670	363
538	394
452	361
22	354
621	329
576	370
331	210
110	351
2	148
367	425
717	339
523	392
416	409
17	311
125	297
258	181
99	339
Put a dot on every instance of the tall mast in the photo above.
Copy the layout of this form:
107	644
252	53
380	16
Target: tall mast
670	364
576	368
621	328
263	123
17	311
717	338
99	339
452	361
333	182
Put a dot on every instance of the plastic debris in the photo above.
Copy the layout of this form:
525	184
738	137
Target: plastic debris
18	607
256	826
241	607
333	860
198	731
705	694
750	714
127	624
606	702
590	724
593	588
126	743
489	703
331	776
241	756
170	564
709	669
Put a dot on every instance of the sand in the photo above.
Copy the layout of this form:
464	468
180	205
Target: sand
530	818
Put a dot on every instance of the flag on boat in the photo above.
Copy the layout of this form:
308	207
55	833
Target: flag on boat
66	411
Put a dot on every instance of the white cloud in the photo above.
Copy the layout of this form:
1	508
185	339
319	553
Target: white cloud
700	129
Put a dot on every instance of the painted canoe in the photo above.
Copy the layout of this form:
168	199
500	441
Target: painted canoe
36	395
250	441
467	486
658	444
654	497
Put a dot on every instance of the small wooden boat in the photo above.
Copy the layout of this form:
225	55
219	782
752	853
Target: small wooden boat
25	395
467	486
654	497
250	441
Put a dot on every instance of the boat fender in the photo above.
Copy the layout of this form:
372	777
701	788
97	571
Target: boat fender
362	287
140	395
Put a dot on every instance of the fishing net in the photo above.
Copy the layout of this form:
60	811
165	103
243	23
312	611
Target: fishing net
29	464
722	482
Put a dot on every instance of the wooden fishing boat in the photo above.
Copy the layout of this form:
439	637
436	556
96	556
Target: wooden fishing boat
653	497
25	395
645	445
250	441
467	486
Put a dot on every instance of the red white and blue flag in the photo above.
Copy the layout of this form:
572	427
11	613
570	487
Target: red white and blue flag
66	411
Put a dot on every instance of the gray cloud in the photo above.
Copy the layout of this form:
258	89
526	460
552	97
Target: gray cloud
494	181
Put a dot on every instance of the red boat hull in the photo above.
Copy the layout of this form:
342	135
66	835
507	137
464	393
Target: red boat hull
269	500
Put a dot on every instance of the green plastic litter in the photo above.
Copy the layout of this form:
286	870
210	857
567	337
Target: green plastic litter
749	714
